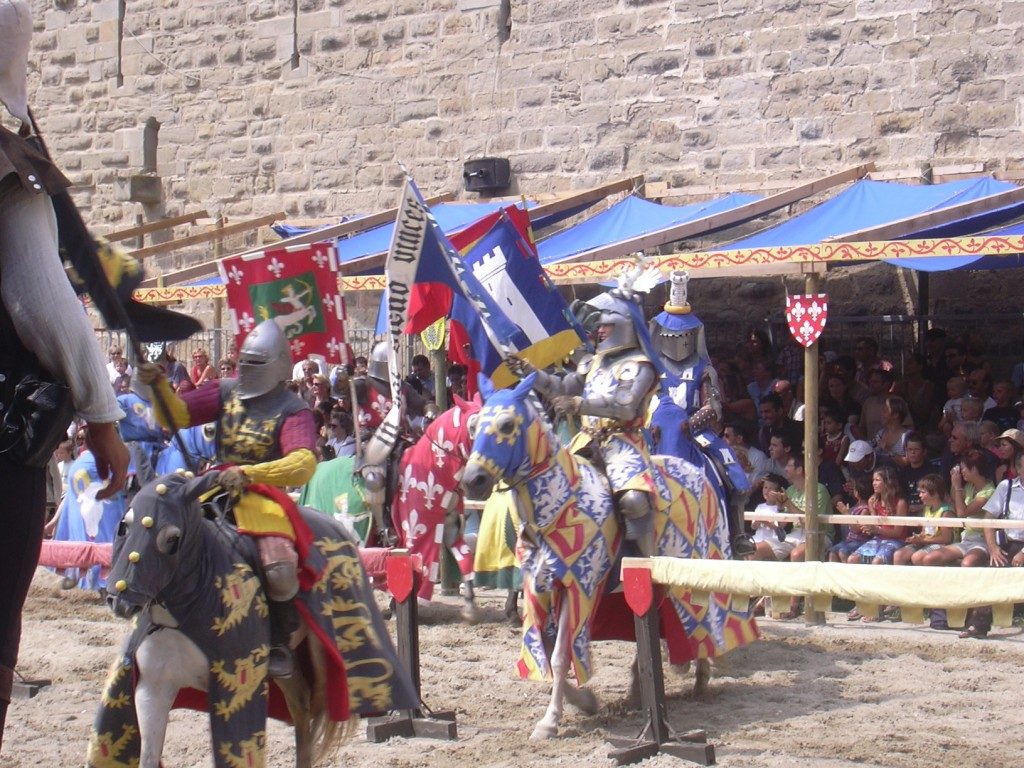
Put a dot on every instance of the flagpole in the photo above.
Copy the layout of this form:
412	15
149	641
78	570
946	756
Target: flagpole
813	552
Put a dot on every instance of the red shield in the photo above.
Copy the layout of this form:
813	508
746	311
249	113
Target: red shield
806	315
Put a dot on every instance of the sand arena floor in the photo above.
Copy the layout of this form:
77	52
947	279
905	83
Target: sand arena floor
823	697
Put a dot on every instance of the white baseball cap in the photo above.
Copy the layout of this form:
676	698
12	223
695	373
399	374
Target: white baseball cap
858	450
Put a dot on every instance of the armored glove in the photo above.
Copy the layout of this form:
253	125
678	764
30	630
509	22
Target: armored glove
149	373
233	480
567	405
519	366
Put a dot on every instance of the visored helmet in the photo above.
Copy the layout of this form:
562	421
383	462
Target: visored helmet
615	312
676	333
377	367
263	361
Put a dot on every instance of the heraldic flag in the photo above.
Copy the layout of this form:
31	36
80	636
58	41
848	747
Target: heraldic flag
297	288
425	275
501	255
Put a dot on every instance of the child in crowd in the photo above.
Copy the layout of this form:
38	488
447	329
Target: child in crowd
855	537
935	497
834	441
886	501
956	388
972	408
769	537
972	486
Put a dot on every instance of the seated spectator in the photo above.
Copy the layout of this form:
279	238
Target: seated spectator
1004	413
956	360
791	405
341	433
979	386
1007	503
359	366
890	440
918	391
965	435
886	501
860	462
794	501
834	440
754	461
855	536
971	408
321	394
202	371
774	420
1007	448
865	352
769	538
116	355
301	370
457	384
736	401
422	377
227	368
917	466
836	397
972	487
932	490
763	373
956	389
872	415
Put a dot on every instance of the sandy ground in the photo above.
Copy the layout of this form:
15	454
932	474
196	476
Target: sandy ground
823	697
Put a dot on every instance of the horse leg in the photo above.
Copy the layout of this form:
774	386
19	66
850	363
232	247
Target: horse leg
512	607
702	677
297	696
547	728
167	662
582	698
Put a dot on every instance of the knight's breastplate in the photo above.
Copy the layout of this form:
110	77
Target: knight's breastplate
686	391
248	430
604	379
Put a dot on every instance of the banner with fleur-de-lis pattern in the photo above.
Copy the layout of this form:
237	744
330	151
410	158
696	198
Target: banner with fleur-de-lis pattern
806	315
298	288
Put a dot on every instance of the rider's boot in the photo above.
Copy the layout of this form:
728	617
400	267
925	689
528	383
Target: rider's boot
638	516
742	545
280	568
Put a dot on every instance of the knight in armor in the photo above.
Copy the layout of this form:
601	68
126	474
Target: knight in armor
269	434
389	437
611	391
687	412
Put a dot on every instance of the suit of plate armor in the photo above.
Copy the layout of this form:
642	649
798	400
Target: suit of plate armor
687	411
611	391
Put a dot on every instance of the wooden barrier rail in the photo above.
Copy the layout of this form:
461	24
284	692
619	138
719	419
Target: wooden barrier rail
910	522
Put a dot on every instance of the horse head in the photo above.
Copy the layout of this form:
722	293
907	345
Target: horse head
156	539
500	449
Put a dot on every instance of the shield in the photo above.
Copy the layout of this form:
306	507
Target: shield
806	315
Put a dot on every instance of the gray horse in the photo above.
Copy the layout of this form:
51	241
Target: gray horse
202	635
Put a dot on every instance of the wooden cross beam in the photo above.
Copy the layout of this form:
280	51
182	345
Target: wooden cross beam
156	226
205	237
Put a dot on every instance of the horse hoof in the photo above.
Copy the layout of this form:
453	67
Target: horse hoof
514	618
544	732
582	698
470	614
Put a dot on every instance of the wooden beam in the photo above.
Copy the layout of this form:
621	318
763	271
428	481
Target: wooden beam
721	220
899	174
205	237
896	229
209	268
568	202
156	226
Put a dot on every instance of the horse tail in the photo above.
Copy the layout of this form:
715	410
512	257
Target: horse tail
327	735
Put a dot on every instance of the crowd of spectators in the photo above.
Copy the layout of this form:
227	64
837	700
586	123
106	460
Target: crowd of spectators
940	435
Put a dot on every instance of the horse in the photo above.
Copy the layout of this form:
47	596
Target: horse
426	504
201	636
570	538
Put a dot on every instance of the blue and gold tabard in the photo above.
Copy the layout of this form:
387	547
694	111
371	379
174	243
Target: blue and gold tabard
621	443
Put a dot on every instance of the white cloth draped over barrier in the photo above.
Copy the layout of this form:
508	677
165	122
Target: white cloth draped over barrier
912	588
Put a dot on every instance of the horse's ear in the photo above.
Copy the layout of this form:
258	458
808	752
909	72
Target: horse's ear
197	486
485	385
459	402
523	387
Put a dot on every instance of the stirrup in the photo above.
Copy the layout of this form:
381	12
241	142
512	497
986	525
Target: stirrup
280	661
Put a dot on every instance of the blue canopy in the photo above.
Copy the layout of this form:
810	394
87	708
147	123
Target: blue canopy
944	263
874	203
629	218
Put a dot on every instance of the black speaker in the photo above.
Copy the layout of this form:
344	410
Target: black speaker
487	174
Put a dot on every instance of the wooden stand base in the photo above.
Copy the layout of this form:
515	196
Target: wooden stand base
412	723
27	689
692	746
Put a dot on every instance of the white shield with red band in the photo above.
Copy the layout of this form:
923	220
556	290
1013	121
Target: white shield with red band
806	315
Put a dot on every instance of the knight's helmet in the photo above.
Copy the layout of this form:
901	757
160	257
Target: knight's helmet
377	366
263	361
677	333
619	309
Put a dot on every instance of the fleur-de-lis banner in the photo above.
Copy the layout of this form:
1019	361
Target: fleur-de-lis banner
806	315
298	288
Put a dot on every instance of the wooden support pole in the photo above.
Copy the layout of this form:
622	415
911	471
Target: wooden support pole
205	237
155	226
814	548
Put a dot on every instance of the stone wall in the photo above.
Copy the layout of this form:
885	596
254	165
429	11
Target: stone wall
728	93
